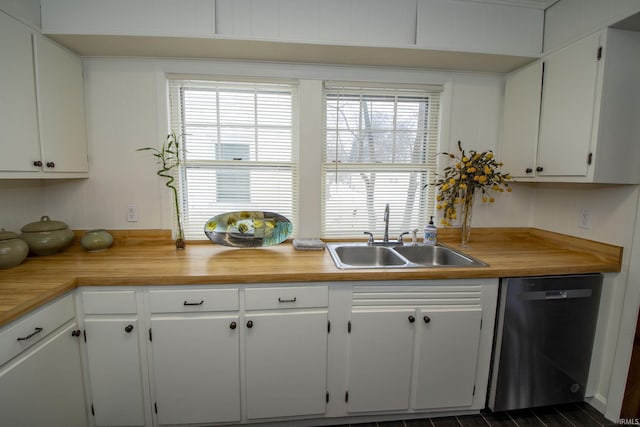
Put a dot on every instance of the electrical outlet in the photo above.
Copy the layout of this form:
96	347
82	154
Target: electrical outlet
585	219
132	213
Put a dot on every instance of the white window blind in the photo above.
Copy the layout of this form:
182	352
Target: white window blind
240	149
380	147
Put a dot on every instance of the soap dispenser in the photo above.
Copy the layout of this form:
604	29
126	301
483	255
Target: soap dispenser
430	236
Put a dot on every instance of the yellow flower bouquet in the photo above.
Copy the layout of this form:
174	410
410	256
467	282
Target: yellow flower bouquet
471	171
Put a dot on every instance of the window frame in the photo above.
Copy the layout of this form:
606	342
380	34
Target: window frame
427	167
194	225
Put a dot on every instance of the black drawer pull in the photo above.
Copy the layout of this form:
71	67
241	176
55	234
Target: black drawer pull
427	319
36	332
250	324
412	319
233	325
294	299
194	303
128	328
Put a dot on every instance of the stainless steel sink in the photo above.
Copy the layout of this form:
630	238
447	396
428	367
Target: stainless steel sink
361	255
368	256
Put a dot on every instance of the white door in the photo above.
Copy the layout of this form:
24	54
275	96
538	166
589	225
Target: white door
20	143
196	369
115	376
380	357
448	354
521	120
60	93
43	387
286	363
568	102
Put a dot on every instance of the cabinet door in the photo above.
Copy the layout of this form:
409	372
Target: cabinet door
380	357
447	357
568	102
61	108
286	363
43	388
20	144
115	374
196	368
522	94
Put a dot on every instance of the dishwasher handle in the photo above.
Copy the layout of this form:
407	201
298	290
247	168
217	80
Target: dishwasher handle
556	294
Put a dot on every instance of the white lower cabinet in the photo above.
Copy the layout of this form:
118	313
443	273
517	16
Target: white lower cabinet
448	353
115	366
43	386
286	363
39	358
115	372
418	348
242	354
286	330
196	368
380	358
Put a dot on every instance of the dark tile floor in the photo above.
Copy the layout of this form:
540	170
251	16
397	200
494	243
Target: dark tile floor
570	415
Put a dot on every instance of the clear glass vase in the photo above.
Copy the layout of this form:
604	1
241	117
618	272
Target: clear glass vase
467	212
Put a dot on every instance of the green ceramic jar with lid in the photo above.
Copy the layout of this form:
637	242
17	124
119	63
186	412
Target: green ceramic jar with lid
13	250
46	237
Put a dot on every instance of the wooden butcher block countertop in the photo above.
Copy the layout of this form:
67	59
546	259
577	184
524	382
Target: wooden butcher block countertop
149	258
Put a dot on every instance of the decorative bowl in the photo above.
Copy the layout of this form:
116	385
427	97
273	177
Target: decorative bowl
248	229
96	240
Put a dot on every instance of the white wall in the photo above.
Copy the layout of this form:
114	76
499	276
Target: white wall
126	110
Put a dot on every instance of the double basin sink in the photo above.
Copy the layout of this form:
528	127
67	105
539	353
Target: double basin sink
362	255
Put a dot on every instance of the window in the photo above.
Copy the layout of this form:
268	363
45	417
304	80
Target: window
240	142
380	147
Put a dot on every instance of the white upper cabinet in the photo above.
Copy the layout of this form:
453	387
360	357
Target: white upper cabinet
446	34
376	22
43	120
61	115
185	18
588	113
522	94
20	144
479	27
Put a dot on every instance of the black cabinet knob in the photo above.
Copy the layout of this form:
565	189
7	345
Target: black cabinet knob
128	328
412	319
51	165
528	170
233	325
250	324
427	319
76	333
37	164
539	169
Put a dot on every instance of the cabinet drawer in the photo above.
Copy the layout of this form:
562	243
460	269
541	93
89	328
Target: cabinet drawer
286	297
193	300
27	331
109	302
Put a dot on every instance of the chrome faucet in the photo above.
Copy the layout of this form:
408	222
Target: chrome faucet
385	239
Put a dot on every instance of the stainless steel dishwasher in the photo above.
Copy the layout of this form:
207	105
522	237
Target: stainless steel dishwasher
543	342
